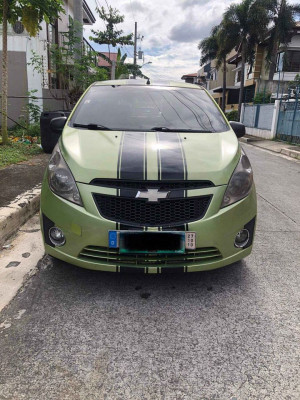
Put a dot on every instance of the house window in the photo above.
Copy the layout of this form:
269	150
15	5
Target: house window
238	76
292	61
250	70
289	60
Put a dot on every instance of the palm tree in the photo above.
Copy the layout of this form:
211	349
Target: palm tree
217	46
246	23
283	17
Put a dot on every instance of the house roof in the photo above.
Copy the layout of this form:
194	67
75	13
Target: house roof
104	63
219	89
193	75
88	16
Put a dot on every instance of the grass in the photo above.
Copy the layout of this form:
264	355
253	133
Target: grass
16	152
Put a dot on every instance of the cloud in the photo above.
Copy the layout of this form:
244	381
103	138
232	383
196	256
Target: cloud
187	32
192	29
135	6
192	3
171	30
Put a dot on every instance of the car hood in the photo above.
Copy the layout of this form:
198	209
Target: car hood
93	154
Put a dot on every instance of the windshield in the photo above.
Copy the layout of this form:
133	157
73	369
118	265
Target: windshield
146	108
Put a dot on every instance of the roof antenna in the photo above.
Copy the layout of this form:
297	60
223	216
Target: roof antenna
148	81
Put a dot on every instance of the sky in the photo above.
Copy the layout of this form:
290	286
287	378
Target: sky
172	30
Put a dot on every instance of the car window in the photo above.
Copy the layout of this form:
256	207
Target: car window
143	108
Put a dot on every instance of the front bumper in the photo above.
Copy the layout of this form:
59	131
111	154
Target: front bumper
86	234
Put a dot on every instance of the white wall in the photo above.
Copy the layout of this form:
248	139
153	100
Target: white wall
24	43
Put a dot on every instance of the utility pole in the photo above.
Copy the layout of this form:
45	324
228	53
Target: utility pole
134	52
113	70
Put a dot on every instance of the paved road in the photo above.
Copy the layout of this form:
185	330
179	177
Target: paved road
227	334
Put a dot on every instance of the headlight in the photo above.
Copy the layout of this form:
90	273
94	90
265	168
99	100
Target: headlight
240	182
60	178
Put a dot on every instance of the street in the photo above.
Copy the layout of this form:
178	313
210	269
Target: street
228	334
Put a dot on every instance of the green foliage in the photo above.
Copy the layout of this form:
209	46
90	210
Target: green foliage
111	36
16	152
217	45
32	12
247	23
262	98
123	69
21	131
232	115
31	109
283	16
75	68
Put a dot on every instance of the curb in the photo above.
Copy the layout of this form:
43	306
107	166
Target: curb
18	212
285	151
291	153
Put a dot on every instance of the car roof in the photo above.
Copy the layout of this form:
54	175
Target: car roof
145	82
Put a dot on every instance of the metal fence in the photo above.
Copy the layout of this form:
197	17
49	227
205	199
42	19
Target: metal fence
258	116
288	127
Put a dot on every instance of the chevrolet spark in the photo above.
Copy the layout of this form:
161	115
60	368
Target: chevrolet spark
148	178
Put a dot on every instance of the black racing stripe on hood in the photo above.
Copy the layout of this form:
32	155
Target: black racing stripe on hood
171	156
171	159
132	159
172	163
132	163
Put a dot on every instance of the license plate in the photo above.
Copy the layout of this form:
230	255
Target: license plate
167	242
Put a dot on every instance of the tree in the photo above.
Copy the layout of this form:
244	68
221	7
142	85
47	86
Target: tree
122	68
283	17
246	23
111	36
217	46
31	13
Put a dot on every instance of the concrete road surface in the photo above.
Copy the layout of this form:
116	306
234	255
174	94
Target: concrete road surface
230	334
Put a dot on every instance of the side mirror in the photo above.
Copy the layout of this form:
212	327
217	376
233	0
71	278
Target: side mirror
239	129
57	124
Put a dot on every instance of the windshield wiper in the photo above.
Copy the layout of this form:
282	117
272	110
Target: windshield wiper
92	126
165	129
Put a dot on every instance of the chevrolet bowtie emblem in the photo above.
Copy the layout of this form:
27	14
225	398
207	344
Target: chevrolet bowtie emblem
153	195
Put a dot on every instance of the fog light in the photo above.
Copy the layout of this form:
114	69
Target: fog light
242	238
56	236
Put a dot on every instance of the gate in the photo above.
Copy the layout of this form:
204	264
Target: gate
288	127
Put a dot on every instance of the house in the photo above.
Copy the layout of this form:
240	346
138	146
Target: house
191	78
23	75
105	64
212	79
256	75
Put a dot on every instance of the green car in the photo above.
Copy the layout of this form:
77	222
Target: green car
148	178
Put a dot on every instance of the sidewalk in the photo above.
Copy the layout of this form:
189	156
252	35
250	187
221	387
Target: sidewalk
20	193
287	149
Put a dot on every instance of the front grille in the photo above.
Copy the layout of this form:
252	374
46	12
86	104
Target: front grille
140	212
143	185
105	255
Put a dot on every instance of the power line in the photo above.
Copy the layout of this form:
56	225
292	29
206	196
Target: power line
129	52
